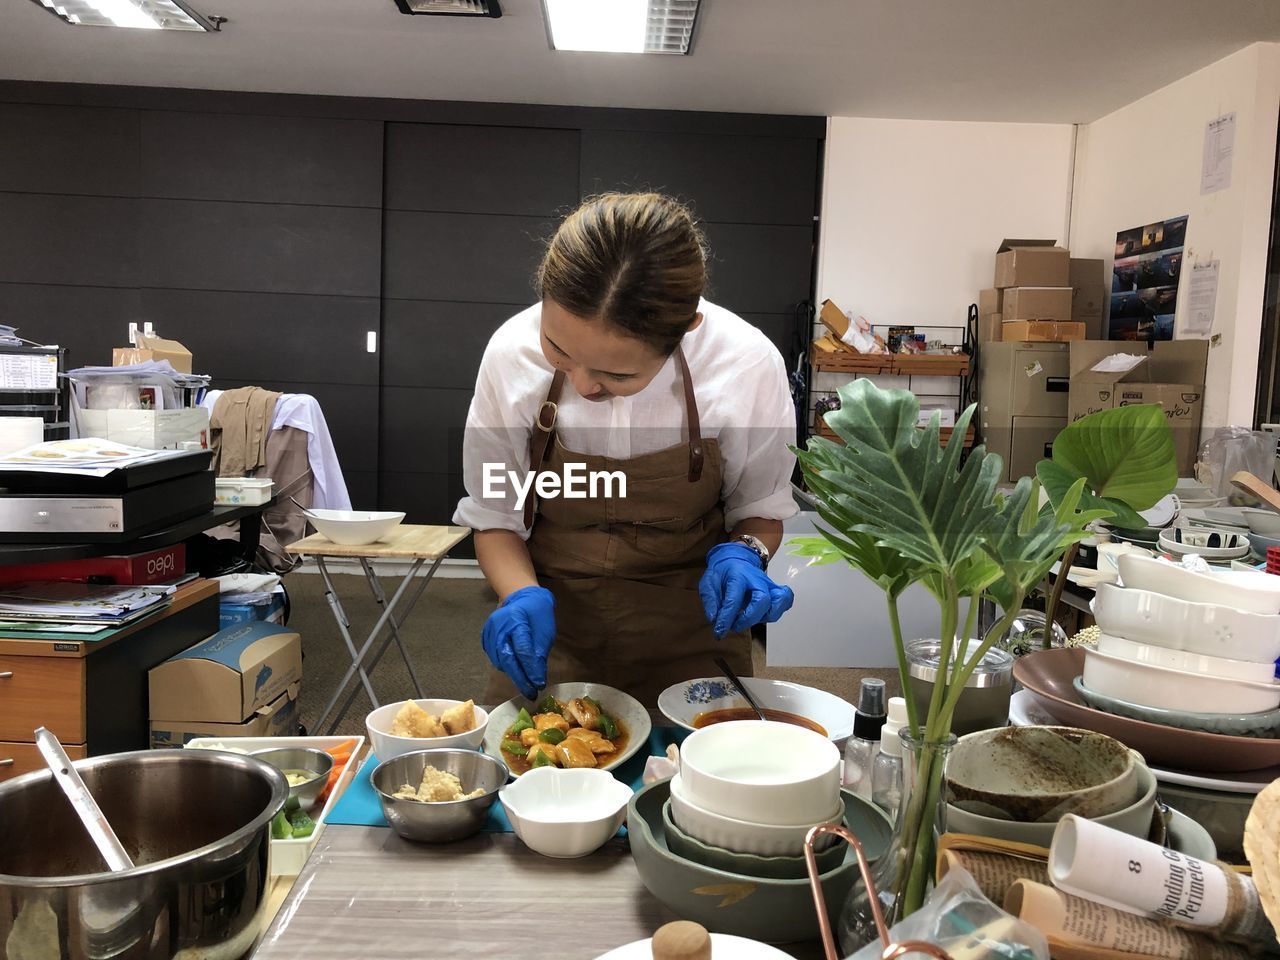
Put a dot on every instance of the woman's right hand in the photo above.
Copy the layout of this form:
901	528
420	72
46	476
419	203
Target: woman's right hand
518	635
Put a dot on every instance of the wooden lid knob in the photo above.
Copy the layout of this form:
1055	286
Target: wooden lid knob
682	940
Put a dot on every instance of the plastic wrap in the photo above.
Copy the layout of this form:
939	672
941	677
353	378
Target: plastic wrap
1230	450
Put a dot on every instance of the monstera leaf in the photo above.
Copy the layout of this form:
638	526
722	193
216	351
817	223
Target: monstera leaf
1125	456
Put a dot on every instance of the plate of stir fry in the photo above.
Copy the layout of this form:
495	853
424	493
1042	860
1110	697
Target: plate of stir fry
569	725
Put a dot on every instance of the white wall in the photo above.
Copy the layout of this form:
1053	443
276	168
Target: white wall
1142	164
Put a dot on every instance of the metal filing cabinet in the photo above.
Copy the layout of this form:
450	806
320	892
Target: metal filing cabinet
1022	388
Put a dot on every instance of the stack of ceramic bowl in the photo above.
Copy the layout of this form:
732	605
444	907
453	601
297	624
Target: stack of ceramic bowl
1189	650
1016	783
1264	530
1216	545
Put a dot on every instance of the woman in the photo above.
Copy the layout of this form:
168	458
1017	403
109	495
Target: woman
624	369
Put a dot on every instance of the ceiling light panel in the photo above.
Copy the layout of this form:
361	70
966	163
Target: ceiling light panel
621	26
139	14
452	8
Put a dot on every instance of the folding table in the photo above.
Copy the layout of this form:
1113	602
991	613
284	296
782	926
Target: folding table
414	544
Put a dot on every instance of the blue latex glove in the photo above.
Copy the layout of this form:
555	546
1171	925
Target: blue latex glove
737	593
518	635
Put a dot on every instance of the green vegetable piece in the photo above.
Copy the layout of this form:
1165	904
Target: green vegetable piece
549	704
551	736
592	701
523	717
518	727
303	826
292	804
608	727
281	829
513	747
540	759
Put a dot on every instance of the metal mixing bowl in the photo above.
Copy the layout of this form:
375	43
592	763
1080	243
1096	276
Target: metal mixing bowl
197	823
439	822
316	762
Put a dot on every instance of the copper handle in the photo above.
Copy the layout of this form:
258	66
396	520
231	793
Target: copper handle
891	950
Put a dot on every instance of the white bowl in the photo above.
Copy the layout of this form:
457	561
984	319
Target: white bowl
761	771
1185	661
386	746
742	836
1212	543
683	703
1265	522
1207	628
1152	686
354	527
565	813
1250	590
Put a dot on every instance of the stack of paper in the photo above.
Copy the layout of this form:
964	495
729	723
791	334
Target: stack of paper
92	605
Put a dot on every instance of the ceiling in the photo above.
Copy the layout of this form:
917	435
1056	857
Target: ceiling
1017	60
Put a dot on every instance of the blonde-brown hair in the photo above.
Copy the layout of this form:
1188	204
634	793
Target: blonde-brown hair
635	260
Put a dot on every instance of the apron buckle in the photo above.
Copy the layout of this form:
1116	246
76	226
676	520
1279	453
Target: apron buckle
549	424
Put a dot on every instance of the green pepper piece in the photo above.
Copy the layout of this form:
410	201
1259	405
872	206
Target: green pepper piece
593	702
281	829
518	727
550	704
540	759
551	735
514	747
292	804
608	727
303	826
523	717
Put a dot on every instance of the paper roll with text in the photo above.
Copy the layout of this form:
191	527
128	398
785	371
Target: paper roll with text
1106	866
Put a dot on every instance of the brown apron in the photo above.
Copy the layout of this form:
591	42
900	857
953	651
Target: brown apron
625	571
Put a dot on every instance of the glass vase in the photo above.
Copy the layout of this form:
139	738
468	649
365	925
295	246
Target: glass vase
904	873
1026	634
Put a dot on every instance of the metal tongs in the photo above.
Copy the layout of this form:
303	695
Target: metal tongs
891	949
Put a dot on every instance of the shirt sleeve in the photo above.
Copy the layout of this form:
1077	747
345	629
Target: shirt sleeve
757	456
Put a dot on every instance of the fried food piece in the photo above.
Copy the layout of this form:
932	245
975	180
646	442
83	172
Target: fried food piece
460	719
574	753
543	748
583	713
548	721
412	721
438	786
592	739
528	736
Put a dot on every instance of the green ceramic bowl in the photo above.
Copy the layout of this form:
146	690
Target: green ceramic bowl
758	908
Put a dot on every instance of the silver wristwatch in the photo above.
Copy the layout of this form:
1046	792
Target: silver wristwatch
756	544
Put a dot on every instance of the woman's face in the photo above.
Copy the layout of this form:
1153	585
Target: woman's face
599	360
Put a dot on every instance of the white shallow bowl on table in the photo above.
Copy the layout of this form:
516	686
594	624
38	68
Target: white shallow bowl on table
1250	590
1208	628
1152	686
565	813
1265	522
1185	661
387	746
1213	543
354	527
621	706
743	836
722	945
682	703
761	771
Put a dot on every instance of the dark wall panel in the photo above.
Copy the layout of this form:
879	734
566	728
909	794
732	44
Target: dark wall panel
200	156
478	169
476	258
760	269
47	238
88	321
424	428
425	498
438	344
272	248
729	179
71	150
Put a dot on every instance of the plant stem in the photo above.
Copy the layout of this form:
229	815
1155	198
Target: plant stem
904	676
1055	595
965	671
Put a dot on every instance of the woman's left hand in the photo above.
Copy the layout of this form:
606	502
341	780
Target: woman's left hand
737	593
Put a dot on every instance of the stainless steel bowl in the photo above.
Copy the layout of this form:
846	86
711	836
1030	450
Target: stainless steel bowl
197	823
316	762
439	822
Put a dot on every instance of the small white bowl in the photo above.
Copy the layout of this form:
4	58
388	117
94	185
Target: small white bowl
354	527
1207	628
682	703
1152	686
742	836
1184	661
1264	522
1212	543
386	746
565	813
761	771
1250	590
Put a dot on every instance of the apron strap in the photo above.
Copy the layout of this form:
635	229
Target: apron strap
691	412
544	426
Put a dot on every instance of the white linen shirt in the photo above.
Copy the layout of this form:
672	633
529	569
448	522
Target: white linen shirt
739	383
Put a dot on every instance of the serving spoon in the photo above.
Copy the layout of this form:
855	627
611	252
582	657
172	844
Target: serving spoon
739	686
91	815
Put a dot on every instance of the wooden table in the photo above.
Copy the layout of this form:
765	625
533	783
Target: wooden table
367	893
414	543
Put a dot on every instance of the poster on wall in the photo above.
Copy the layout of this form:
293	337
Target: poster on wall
1144	281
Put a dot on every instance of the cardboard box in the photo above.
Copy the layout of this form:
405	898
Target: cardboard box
279	718
230	613
1169	372
1037	303
228	677
151	566
990	301
1032	263
152	429
1089	294
1042	331
1023	443
1022	380
153	348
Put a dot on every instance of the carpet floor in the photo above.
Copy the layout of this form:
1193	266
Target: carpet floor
442	636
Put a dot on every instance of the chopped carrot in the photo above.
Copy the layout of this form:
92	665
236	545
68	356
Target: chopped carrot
345	747
340	758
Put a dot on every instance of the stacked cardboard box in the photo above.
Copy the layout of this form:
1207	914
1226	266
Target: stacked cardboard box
1031	298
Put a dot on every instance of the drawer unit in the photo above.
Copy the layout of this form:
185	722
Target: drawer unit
42	692
19	758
